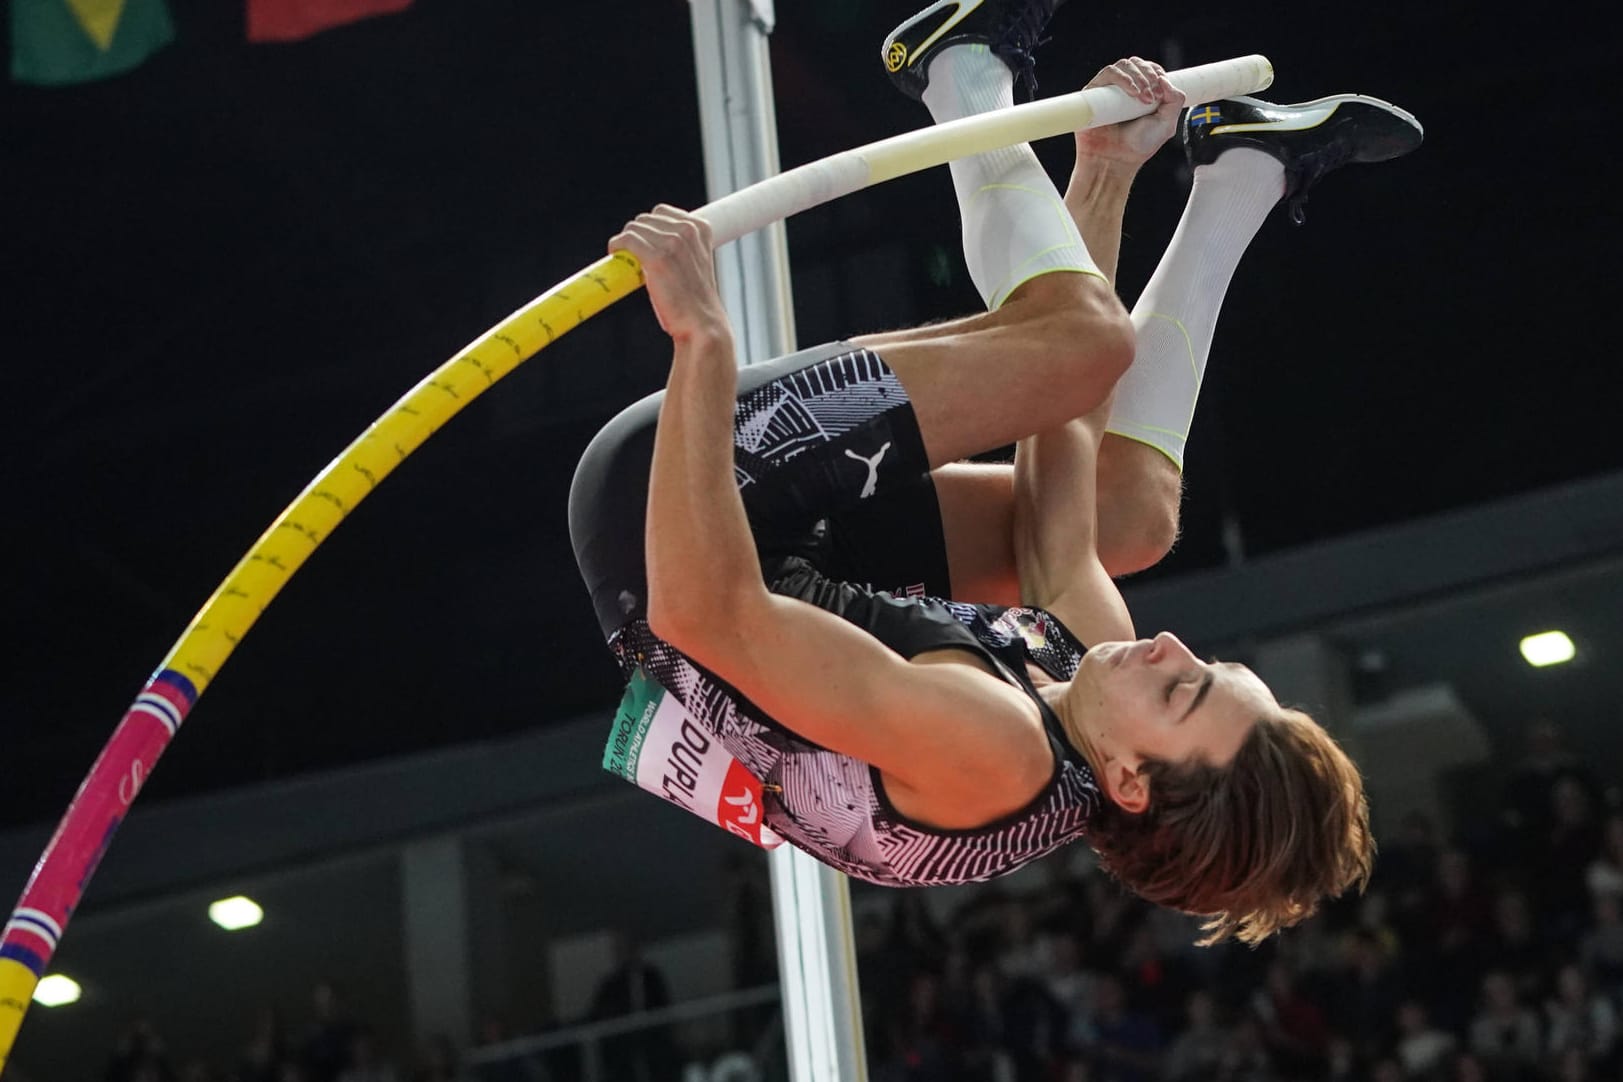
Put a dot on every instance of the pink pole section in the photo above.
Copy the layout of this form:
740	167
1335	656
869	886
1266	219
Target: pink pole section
59	879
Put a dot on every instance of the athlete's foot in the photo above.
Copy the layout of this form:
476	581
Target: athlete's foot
1012	29
1311	139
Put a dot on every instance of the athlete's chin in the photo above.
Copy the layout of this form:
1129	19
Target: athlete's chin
1110	655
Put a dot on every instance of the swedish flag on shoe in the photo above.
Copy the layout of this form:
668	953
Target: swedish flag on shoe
1312	138
1012	28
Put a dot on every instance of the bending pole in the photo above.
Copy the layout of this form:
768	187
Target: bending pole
36	926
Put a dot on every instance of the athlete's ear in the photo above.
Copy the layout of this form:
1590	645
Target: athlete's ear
1126	786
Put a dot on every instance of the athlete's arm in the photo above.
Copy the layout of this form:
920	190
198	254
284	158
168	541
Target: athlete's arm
1056	531
698	546
1055	472
960	745
952	732
1108	158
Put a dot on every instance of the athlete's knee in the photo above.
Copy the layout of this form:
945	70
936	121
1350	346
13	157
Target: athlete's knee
1140	493
1082	323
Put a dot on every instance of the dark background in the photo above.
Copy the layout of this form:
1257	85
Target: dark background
221	267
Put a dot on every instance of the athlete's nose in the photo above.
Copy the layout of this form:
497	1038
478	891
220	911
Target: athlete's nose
1163	645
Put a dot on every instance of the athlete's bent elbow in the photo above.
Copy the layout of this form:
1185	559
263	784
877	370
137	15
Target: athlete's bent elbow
696	622
673	620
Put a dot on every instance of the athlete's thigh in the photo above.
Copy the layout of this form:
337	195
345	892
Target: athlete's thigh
977	525
1051	354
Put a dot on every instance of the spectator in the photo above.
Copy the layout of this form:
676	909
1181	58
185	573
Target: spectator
1386	1069
1061	903
140	1056
633	986
747	910
1034	1028
1505	1034
921	1044
1405	872
1341	1061
324	1053
1529	794
984	1028
493	1030
437	1061
1567	851
1373	911
1113	912
1197	1052
1246	1058
1572	1066
1600	949
1604	875
365	1064
1365	991
914	930
1071	985
262	1057
1293	1026
1451	955
1127	1044
1021	952
1515	946
1579	1019
1422	1048
884	967
1151	979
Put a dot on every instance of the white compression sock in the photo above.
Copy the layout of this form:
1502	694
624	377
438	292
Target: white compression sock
1177	312
1015	223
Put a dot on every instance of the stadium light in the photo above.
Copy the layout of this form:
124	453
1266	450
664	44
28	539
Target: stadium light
236	913
1548	648
56	990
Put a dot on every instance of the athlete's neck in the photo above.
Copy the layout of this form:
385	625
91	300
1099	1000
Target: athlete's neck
1066	707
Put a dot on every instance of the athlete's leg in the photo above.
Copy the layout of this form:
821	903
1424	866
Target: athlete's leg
1247	154
1240	175
815	433
1055	339
1141	459
1047	352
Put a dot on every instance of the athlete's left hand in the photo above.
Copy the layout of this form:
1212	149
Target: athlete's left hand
674	250
1134	142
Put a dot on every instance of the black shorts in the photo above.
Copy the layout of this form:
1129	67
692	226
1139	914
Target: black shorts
831	467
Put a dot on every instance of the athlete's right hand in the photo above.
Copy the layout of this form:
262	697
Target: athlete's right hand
674	250
1134	142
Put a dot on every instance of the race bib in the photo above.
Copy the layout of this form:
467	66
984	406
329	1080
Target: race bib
657	746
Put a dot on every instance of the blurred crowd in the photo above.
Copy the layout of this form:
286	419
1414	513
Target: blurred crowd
1491	951
330	1045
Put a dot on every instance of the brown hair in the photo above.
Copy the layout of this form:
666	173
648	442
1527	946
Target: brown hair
1254	845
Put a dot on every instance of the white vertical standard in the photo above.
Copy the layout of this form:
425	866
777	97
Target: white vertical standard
811	902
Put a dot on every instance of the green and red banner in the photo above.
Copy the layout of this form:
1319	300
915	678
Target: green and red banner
295	20
59	42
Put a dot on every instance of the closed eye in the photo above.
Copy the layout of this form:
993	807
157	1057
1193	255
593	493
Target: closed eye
1200	696
1174	685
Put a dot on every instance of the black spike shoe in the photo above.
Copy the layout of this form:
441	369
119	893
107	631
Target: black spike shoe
1010	28
1312	139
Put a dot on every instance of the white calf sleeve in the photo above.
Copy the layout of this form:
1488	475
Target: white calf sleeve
1177	312
1015	223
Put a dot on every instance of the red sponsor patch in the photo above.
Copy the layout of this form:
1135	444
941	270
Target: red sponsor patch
738	808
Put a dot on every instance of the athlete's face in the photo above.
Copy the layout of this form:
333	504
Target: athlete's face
1153	698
